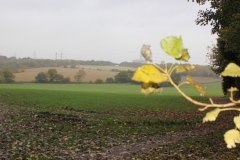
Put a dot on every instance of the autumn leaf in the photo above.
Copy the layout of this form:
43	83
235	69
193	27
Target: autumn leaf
212	115
185	56
197	86
190	80
146	52
184	68
231	70
148	73
231	137
149	88
237	121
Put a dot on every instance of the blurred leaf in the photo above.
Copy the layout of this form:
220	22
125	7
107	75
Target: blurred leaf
197	86
212	115
185	56
231	137
149	88
190	80
184	68
173	46
232	89
231	70
146	52
237	121
148	73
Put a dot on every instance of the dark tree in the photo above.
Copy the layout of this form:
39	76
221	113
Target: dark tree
99	80
8	76
109	80
124	77
224	17
41	78
59	78
80	75
52	73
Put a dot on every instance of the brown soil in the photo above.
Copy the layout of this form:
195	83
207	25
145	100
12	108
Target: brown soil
125	151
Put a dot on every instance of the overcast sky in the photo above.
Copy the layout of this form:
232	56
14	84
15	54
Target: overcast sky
113	30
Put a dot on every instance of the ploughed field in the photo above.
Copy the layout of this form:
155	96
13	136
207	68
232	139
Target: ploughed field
100	121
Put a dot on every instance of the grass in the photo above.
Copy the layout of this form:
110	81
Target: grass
214	89
52	121
97	97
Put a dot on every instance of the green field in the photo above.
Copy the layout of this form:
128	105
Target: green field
214	89
77	121
99	96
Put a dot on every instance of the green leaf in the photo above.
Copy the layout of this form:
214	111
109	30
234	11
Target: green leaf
231	70
173	46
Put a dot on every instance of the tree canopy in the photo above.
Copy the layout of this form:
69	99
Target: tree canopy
224	17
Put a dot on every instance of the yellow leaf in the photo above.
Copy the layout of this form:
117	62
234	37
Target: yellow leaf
184	68
148	73
148	88
173	46
197	86
151	90
190	80
150	84
212	115
185	56
232	89
237	121
231	70
231	137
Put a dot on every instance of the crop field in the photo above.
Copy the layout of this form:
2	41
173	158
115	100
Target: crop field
91	74
100	121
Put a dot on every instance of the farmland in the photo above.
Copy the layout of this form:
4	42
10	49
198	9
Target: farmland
93	72
74	121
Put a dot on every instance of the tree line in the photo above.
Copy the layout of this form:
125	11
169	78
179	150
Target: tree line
18	65
224	17
52	76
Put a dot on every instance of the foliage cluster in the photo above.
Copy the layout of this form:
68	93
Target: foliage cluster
51	76
6	76
224	17
153	75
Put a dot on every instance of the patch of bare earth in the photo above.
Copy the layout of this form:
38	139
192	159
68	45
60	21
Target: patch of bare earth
127	151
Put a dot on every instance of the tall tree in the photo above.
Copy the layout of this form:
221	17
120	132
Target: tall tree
224	17
8	76
52	73
41	78
80	75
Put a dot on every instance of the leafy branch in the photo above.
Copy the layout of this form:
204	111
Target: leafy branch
152	75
